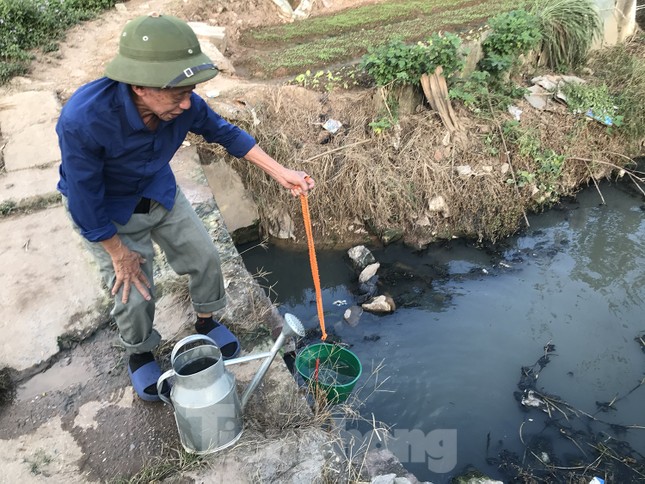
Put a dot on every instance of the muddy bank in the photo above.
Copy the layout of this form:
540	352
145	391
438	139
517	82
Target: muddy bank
413	182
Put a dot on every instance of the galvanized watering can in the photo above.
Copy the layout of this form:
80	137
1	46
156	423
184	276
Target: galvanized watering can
207	409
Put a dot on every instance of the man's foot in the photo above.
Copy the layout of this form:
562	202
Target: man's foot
225	340
144	372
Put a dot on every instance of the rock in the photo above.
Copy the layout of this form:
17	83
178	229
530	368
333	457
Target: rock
234	201
368	272
368	287
384	464
384	479
361	256
380	304
280	225
438	204
391	235
352	315
538	97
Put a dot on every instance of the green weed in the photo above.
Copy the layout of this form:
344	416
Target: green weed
512	34
400	63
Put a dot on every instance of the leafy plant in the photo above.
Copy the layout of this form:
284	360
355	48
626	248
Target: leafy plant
512	33
547	163
472	90
400	63
569	28
388	116
593	99
622	68
476	90
381	124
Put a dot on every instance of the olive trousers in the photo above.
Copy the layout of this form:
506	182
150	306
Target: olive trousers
188	248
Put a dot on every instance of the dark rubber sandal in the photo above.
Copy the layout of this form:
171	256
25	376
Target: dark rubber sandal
223	336
143	377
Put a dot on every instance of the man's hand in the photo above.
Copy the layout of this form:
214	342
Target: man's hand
127	269
297	181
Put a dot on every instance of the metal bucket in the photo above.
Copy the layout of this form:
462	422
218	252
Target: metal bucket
204	398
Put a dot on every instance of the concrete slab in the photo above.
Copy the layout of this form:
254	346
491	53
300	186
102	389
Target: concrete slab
20	110
24	184
211	33
34	457
36	145
188	173
48	287
233	199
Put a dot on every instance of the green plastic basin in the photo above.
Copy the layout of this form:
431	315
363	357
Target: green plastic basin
338	370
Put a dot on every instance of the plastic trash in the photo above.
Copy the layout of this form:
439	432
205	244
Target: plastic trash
332	125
515	111
597	480
606	120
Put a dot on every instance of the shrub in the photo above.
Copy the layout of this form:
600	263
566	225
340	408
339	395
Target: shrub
582	98
622	68
400	63
569	28
512	34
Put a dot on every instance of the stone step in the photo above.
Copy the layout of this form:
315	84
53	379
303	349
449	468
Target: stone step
49	287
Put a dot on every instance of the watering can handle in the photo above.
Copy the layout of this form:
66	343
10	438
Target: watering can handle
160	381
189	339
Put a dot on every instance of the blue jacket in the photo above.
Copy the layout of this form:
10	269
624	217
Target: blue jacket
110	159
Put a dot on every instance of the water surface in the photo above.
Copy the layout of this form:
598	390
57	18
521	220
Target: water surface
469	319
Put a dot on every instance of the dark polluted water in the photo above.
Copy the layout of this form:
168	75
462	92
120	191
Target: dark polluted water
551	317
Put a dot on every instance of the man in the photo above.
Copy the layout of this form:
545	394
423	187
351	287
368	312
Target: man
117	136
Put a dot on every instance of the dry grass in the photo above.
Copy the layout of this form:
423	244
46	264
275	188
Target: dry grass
386	182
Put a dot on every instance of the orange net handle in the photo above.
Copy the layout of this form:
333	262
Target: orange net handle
313	263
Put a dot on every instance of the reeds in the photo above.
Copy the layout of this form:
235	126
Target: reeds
569	28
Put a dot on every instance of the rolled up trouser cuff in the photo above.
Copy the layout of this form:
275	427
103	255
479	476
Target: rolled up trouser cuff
149	344
210	307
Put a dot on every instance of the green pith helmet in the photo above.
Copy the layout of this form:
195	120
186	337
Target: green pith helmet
160	51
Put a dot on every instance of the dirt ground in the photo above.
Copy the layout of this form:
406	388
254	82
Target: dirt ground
89	46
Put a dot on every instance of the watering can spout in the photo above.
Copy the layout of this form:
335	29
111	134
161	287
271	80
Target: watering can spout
292	327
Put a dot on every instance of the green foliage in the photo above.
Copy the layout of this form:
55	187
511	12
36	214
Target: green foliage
28	24
512	34
547	163
622	68
472	90
582	98
400	63
7	207
569	28
476	90
388	116
381	124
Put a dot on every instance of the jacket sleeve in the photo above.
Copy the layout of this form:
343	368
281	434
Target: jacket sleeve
216	129
82	170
